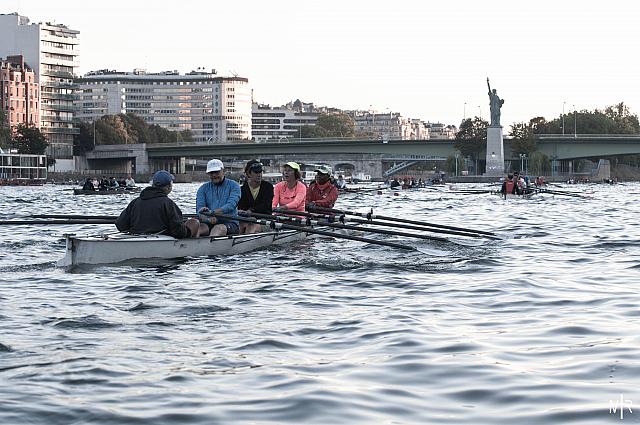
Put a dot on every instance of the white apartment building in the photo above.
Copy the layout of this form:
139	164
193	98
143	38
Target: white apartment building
214	109
385	126
273	124
52	51
441	131
419	130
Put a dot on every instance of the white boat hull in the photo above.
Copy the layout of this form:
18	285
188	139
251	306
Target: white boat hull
106	249
515	196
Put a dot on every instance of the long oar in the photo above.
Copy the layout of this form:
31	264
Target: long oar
307	229
86	217
370	216
344	219
310	222
54	222
75	216
470	192
558	192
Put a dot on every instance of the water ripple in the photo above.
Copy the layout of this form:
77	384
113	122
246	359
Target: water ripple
540	327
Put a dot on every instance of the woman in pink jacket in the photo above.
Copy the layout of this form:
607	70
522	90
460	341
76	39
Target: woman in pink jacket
290	193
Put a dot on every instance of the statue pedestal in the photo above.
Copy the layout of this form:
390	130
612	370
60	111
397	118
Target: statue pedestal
495	152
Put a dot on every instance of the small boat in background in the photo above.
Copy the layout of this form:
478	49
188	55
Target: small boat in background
114	191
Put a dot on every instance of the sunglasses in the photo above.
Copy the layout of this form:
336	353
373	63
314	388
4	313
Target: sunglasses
256	168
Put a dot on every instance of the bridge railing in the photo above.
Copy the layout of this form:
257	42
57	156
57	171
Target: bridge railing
587	136
283	140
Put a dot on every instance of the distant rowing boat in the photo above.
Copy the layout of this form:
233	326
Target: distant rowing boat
116	191
527	195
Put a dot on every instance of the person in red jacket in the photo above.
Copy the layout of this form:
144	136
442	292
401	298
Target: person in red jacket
322	192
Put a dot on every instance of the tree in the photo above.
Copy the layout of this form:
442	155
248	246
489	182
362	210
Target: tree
625	122
311	132
30	140
471	138
539	163
615	119
137	129
329	125
83	142
523	135
5	131
450	164
123	129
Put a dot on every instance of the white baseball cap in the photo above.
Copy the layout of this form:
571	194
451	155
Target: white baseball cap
214	165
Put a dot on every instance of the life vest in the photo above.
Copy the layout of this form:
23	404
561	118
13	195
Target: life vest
509	186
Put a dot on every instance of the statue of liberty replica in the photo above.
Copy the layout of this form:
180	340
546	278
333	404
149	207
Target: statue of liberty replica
495	147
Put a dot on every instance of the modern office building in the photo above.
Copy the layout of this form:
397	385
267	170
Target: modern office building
19	92
280	123
213	108
52	51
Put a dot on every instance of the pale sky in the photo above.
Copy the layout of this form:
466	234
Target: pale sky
420	58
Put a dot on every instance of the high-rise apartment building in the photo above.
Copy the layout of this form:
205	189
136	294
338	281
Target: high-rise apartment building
52	51
213	108
19	97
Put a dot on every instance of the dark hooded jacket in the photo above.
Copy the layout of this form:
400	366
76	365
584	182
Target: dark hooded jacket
153	212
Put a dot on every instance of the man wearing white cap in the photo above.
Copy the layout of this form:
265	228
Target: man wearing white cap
220	196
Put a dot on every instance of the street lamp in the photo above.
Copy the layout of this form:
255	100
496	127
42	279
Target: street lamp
575	121
522	158
464	112
456	164
563	117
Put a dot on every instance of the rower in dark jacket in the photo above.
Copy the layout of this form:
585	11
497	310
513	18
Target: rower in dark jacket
256	195
153	212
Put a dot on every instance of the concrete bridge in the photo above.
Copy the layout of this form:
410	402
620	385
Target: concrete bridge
370	157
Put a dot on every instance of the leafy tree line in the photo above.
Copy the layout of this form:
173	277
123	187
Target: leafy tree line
471	139
328	125
123	129
614	119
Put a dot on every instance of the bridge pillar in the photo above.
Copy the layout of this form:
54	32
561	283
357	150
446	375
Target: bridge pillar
495	151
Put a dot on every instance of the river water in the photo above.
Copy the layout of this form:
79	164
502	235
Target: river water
542	327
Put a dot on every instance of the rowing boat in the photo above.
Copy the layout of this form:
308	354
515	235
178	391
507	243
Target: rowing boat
527	195
118	247
117	191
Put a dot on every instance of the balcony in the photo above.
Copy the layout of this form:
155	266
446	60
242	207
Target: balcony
59	108
58	130
59	96
59	85
53	118
61	74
